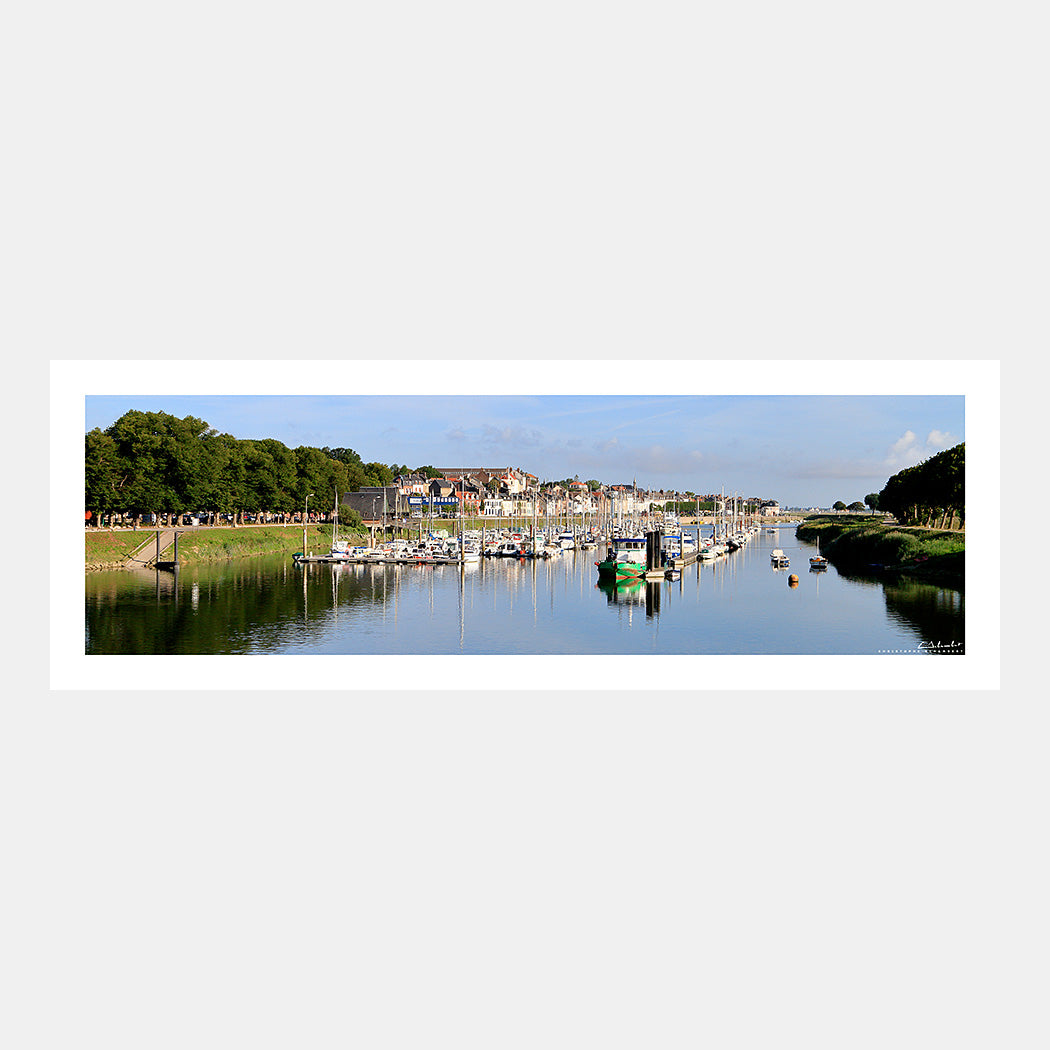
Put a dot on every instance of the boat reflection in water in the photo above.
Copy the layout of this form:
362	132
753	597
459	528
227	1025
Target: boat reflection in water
634	594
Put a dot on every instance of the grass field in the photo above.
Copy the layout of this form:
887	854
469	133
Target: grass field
109	548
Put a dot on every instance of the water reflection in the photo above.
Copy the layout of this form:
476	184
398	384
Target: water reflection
737	604
633	593
630	593
934	613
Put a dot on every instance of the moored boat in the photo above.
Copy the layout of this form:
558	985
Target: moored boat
624	561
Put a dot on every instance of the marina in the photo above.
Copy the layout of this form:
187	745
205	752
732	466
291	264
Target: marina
713	600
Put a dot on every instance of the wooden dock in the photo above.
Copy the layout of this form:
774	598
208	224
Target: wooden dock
328	559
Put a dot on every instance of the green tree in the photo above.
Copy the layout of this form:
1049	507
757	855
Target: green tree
145	448
872	500
314	473
229	482
378	474
933	491
350	517
342	455
339	476
189	463
838	505
260	477
285	477
104	474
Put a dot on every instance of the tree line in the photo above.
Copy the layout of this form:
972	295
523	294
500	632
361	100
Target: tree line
931	493
154	463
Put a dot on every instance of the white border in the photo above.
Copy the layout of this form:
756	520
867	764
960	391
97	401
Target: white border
978	381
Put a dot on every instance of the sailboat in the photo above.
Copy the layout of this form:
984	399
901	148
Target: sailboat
468	552
341	550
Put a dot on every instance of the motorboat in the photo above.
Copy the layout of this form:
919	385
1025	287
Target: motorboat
625	560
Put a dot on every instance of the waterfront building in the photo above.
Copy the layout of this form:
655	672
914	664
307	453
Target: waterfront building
511	480
411	484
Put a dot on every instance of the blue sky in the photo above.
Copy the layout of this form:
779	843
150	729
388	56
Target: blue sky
803	450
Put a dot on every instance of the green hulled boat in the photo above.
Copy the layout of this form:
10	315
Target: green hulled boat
625	560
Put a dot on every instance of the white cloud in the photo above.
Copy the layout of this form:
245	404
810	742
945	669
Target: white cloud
513	436
908	450
905	442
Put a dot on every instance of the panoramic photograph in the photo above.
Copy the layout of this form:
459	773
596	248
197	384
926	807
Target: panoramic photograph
544	516
641	525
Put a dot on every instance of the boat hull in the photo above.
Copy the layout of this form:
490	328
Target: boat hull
620	570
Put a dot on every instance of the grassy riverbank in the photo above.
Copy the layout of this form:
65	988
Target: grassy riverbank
930	554
104	549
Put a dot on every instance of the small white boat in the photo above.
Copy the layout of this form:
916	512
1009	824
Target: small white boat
778	558
343	550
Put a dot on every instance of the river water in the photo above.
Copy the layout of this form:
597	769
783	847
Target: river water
737	604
